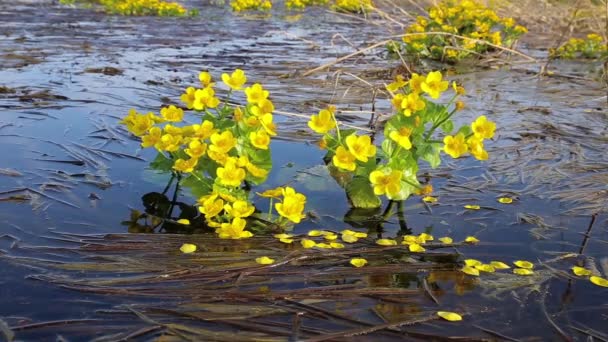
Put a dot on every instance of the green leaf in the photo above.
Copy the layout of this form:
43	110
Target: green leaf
447	127
361	193
199	187
162	163
465	130
430	152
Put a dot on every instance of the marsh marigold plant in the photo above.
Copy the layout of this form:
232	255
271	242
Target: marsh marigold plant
221	155
390	169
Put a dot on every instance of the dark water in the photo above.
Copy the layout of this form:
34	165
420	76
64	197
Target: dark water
551	143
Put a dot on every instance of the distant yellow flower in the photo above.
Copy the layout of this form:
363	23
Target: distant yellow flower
470	271
264	260
455	146
236	80
323	122
459	105
205	98
205	78
471	239
172	113
343	159
259	139
449	316
523	271
239	209
383	183
402	137
483	128
307	243
415	83
256	93
505	200
234	230
188	248
323	245
361	147
230	174
599	281
188	97
386	242
523	264
222	142
434	85
185	165
204	130
581	271
358	262
411	103
397	84
292	206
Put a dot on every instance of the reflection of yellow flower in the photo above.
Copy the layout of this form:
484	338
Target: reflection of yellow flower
236	80
483	128
323	122
433	84
234	230
389	184
292	206
455	146
343	159
230	174
361	147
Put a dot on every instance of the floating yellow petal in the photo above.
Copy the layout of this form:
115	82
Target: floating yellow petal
449	316
386	242
499	265
523	271
599	281
183	221
416	248
307	243
485	268
314	233
323	245
358	262
283	236
188	248
471	239
472	262
286	240
446	239
264	260
472	206
505	200
581	271
336	245
429	199
523	264
470	271
330	236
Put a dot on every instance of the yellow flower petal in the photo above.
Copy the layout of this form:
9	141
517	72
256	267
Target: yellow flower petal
505	200
581	271
472	262
471	239
336	245
183	221
358	262
330	236
264	260
485	268
360	235
523	264
188	248
350	238
523	271
470	271
599	281
446	239
386	242
449	316
286	240
307	243
283	236
416	248
314	233
425	237
499	265
323	245
472	206
429	199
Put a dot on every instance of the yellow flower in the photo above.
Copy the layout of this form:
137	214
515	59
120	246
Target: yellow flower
505	200
292	205
172	113
402	137
236	80
138	124
211	207
455	146
185	165
429	199
483	128
361	147
196	149
581	271
330	236
471	239
459	105
256	93
472	262
358	262
415	83
272	193
263	107
434	85
470	271
283	236
205	78
399	83
459	90
323	122
234	230
268	125
416	248
286	240
188	248
315	233
485	268
449	316
204	130
205	98
239	209
264	260
220	158
307	243
323	245
475	146
336	245
152	138
523	271
523	264
222	143
168	142
188	97
386	184
599	281
259	139
499	265
230	174
411	104
344	159
386	242
256	171
446	240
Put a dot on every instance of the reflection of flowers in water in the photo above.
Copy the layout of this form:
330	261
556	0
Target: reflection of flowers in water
462	282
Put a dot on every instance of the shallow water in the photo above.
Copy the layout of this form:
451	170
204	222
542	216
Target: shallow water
549	152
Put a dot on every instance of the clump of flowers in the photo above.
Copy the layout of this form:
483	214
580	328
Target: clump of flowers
301	4
390	170
593	46
222	154
435	36
353	6
141	7
250	5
